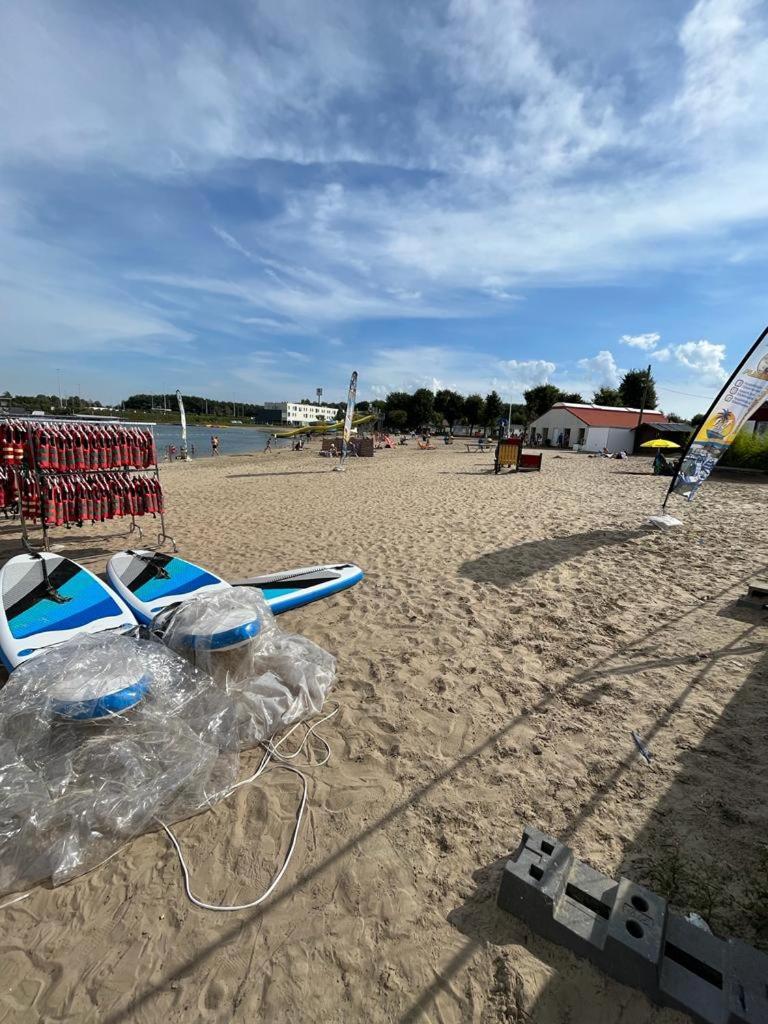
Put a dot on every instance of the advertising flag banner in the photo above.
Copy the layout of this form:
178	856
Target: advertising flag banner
743	394
350	413
183	416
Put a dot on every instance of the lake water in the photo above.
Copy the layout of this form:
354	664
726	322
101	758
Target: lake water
232	441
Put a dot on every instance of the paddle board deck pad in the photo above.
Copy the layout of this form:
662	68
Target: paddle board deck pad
293	588
46	599
151	582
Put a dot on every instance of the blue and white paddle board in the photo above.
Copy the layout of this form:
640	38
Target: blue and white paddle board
46	599
150	581
293	588
136	576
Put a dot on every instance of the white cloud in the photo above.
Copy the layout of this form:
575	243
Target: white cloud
724	60
704	357
644	341
387	186
522	374
602	369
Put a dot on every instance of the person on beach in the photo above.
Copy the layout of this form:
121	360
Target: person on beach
214	444
268	445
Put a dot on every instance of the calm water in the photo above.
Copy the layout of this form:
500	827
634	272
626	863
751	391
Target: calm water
232	441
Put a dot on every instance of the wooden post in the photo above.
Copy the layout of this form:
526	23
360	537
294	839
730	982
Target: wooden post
642	407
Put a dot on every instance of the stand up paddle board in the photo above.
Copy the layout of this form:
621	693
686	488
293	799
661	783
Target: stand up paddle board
46	599
296	587
150	581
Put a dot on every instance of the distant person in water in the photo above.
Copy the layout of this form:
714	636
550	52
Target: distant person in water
214	445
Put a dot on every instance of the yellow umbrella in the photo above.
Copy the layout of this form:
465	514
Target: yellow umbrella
660	443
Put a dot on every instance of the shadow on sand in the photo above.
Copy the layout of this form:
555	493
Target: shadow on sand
510	565
703	847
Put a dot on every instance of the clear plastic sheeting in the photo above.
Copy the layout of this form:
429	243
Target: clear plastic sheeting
159	741
275	679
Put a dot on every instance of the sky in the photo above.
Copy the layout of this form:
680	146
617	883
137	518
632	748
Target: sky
248	199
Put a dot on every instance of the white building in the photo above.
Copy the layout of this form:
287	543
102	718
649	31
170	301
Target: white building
299	414
590	428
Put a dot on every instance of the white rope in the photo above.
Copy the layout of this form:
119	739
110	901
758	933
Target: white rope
16	899
272	753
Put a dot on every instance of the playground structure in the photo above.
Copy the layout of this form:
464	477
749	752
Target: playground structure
509	452
325	428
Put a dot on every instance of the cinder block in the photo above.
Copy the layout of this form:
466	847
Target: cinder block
635	937
628	932
534	880
584	911
747	984
693	971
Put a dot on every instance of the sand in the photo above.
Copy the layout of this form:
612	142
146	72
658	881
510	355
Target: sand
510	633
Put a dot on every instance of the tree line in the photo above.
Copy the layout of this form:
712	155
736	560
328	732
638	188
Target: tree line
447	408
401	410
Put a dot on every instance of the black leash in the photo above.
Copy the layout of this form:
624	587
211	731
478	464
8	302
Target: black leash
51	593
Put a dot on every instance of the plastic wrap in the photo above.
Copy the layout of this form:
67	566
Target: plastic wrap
275	679
73	790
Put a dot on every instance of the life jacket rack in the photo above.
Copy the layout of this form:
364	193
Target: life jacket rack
62	471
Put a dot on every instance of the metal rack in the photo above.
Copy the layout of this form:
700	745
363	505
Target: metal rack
40	475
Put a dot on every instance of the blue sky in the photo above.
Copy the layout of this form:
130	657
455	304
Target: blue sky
250	199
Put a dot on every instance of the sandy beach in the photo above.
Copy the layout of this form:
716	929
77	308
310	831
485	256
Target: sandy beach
510	633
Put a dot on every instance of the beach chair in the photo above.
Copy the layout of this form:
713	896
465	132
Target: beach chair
507	454
426	446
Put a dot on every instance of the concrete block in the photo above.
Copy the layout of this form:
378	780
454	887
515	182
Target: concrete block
534	880
633	945
747	984
692	972
629	933
584	910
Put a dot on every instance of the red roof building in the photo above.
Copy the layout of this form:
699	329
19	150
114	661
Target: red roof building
592	428
608	416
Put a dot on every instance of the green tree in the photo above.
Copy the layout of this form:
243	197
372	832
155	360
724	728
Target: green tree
607	396
632	387
571	396
402	401
474	410
423	407
540	399
449	406
398	418
674	418
698	419
494	407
